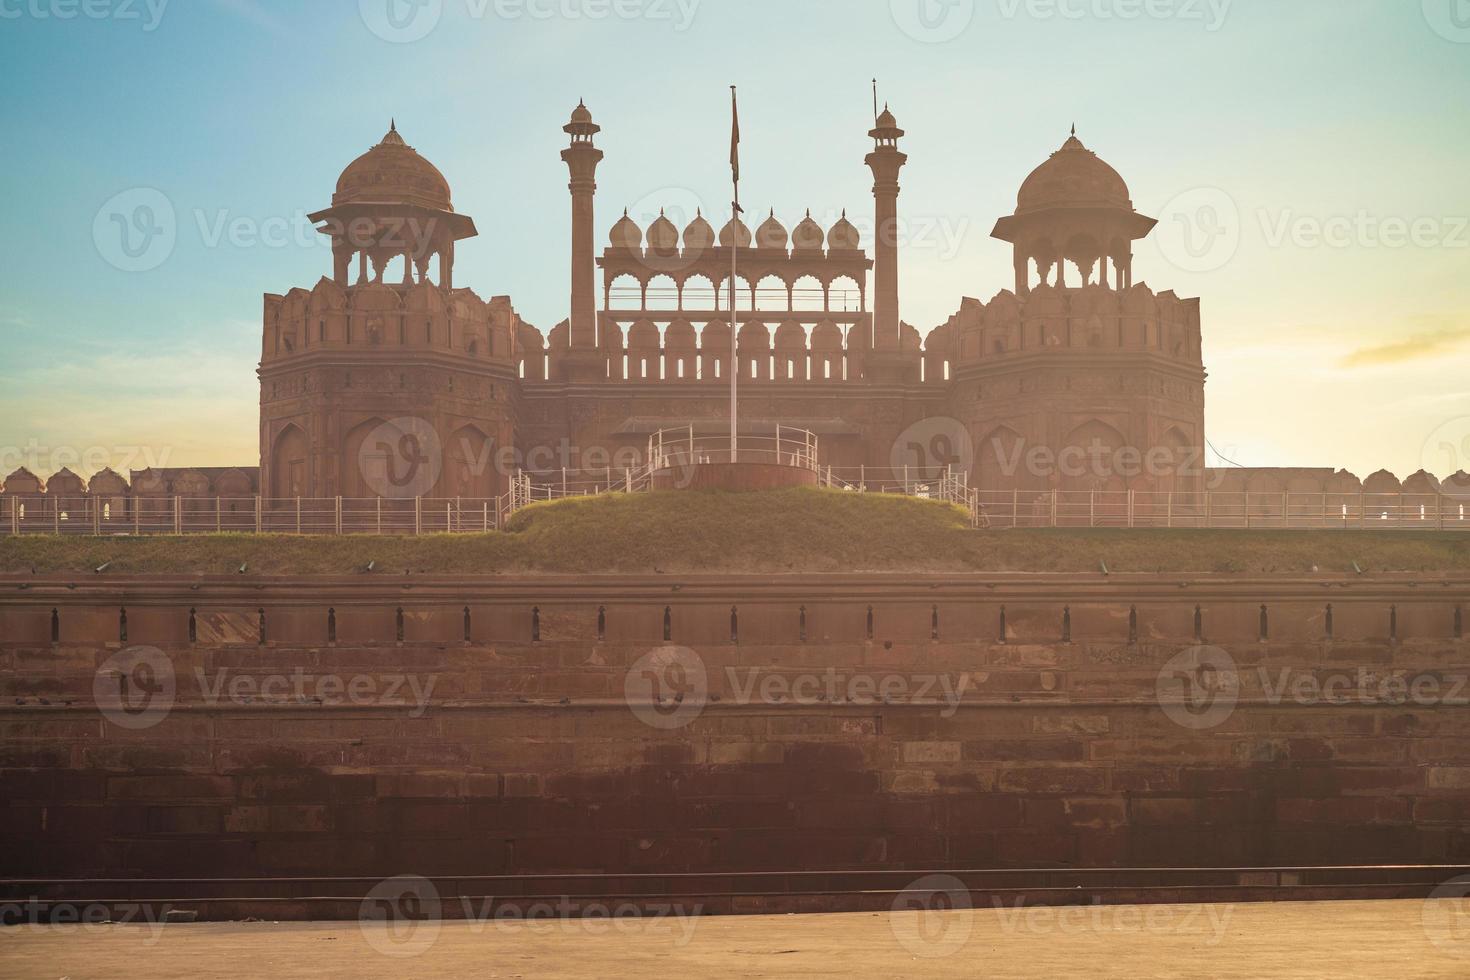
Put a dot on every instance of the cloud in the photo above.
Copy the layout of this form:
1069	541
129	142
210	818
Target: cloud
1412	348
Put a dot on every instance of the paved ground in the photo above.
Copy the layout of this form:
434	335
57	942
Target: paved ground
1348	939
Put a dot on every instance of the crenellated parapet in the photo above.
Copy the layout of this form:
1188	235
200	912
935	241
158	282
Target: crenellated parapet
1050	320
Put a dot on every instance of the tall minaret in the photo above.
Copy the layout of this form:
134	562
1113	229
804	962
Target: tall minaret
886	161
582	159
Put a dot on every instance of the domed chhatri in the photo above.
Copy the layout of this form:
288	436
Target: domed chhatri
771	234
626	233
735	232
662	235
1075	210
392	172
1073	176
808	236
698	234
843	237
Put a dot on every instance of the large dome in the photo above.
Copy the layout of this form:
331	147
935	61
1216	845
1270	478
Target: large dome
1073	177
393	173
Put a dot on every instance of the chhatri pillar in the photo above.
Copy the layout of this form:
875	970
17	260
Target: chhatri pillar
885	161
582	157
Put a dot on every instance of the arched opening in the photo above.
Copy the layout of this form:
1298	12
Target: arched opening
771	294
662	294
288	464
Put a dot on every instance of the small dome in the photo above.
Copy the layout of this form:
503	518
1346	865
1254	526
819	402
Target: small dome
393	173
808	235
698	235
735	232
843	237
1073	176
886	120
771	234
581	115
662	235
626	233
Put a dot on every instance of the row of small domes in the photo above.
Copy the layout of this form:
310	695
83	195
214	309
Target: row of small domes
808	236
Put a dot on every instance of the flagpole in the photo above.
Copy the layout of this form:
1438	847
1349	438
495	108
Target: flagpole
734	268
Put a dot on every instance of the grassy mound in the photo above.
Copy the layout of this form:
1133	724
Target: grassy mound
796	530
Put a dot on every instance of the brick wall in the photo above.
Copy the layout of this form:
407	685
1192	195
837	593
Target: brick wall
527	756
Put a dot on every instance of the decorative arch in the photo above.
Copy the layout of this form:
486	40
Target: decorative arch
289	464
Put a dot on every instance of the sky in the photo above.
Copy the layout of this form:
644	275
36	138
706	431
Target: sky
1309	162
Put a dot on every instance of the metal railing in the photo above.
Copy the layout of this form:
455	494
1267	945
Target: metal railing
790	446
1226	510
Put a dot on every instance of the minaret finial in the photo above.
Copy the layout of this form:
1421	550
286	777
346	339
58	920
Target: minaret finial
1074	129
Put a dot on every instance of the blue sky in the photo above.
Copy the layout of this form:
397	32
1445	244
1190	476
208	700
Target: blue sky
1279	119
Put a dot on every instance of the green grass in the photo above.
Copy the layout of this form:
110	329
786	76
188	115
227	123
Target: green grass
795	530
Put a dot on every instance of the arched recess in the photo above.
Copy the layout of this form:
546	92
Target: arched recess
288	464
360	461
1001	462
1090	458
470	470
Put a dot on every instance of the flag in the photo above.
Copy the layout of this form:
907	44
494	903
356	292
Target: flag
734	136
